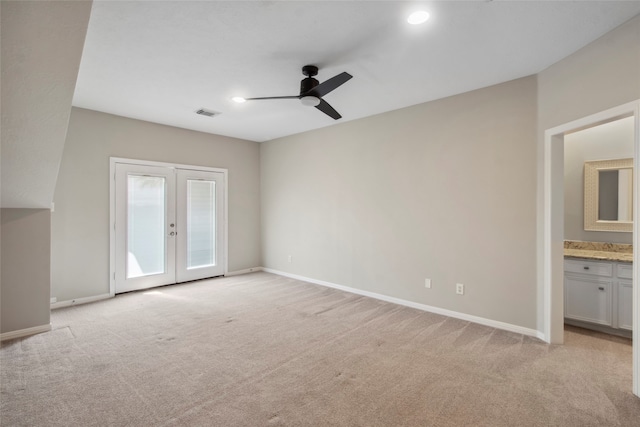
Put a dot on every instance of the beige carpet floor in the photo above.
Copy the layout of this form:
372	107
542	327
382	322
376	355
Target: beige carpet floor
264	350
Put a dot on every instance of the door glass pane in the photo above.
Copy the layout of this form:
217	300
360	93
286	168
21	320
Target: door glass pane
201	223
146	225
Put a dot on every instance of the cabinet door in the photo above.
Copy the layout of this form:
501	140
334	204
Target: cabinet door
587	298
625	300
625	271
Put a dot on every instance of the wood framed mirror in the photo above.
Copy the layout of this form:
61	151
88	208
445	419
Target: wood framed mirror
608	195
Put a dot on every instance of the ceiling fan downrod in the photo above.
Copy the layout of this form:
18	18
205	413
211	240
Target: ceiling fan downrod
309	83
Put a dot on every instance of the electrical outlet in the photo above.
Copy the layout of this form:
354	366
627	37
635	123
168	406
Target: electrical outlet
459	289
427	283
289	258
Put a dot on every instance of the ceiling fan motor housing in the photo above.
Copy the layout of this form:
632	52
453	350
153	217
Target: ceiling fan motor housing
307	84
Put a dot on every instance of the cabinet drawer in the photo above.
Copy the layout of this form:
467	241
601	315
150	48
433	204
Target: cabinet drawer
604	269
625	271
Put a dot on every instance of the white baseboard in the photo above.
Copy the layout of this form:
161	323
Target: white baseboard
431	309
86	300
245	271
25	332
542	336
77	301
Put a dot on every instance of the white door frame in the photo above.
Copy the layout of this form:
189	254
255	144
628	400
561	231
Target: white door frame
112	211
553	229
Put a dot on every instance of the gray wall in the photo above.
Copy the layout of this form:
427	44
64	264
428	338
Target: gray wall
378	204
41	49
602	75
444	190
24	294
608	141
40	56
80	222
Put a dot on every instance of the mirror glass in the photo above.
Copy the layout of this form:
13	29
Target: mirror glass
608	195
614	195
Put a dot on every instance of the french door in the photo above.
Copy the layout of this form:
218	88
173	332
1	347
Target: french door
169	225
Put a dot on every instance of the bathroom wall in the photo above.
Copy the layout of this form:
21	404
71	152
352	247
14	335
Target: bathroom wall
612	140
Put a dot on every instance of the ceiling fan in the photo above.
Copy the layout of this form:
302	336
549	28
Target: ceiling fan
312	91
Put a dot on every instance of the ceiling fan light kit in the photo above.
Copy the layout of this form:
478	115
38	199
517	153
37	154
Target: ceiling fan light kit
309	101
312	91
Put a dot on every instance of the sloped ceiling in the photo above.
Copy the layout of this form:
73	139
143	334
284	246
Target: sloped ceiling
162	61
41	50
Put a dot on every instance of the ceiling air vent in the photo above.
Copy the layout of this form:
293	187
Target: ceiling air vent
207	113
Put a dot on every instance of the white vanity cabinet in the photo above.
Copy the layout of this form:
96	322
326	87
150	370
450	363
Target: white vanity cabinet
625	296
598	293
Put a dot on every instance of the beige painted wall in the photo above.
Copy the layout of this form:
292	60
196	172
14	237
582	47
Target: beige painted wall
24	294
80	223
40	55
602	75
608	141
41	48
443	190
379	203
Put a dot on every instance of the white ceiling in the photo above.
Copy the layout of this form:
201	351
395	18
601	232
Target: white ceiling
162	61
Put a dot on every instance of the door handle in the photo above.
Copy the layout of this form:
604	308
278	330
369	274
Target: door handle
173	233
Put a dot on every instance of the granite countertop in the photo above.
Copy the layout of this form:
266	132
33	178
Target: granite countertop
598	251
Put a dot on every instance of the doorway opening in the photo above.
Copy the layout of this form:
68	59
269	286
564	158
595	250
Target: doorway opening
553	229
598	227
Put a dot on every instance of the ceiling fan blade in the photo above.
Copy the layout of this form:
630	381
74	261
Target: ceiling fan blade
328	85
273	97
328	109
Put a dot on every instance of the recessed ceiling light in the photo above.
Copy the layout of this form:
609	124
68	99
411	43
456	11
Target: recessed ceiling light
418	17
238	99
